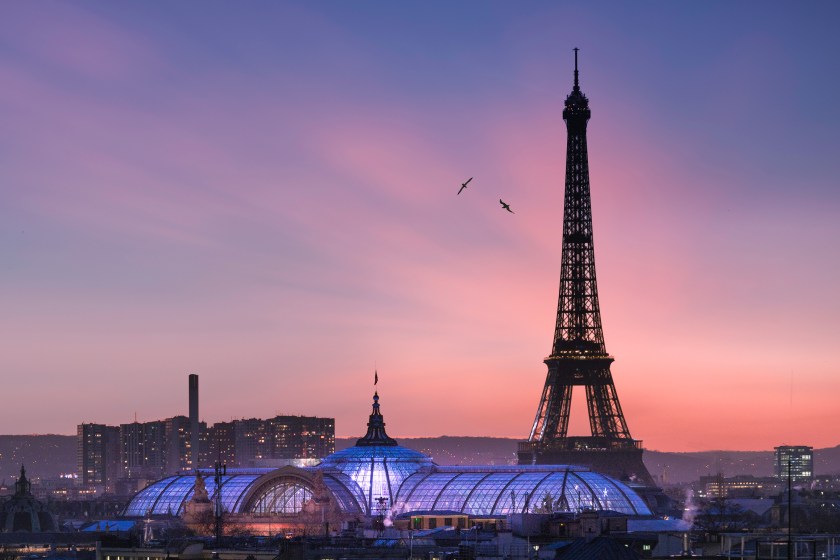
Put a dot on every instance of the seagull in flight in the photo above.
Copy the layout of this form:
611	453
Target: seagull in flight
506	206
464	185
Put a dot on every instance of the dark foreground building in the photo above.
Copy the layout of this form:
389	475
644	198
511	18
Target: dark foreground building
22	512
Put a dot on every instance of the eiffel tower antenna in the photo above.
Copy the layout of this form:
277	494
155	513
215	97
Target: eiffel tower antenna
579	356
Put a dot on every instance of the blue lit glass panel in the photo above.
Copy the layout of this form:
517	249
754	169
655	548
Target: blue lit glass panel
173	496
455	494
548	496
424	495
349	485
397	473
407	486
379	486
286	498
344	496
578	493
611	494
145	500
516	497
487	492
604	494
234	488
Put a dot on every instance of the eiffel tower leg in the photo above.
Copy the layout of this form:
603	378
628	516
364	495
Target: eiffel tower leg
557	424
605	416
553	413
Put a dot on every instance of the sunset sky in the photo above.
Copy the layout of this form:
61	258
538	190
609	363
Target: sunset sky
264	193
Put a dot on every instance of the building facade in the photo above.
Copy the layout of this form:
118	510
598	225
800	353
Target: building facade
151	450
796	462
98	455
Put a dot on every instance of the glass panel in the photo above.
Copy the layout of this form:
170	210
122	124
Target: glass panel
452	498
426	492
173	496
342	494
284	498
487	492
144	501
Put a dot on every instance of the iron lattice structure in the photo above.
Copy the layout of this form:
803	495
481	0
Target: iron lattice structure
578	356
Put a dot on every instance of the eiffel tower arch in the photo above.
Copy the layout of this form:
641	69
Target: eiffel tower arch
578	355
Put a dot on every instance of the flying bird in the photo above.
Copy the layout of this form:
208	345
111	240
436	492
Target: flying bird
464	185
506	206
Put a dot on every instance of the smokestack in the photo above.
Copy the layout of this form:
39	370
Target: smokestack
194	420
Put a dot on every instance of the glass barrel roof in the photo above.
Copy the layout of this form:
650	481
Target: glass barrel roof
377	469
167	496
506	490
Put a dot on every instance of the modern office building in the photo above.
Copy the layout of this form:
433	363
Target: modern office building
378	478
143	449
796	462
258	442
98	455
221	444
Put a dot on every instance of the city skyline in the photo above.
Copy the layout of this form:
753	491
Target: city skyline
266	196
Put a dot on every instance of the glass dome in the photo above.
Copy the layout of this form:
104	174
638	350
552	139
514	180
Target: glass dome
375	468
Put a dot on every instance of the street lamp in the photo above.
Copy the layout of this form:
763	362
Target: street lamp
381	506
220	470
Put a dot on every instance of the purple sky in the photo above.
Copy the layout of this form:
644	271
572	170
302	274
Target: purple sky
263	193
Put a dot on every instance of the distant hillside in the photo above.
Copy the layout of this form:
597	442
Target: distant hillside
43	456
677	468
50	455
687	467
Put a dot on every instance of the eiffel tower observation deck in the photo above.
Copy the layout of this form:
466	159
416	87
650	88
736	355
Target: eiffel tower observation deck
579	356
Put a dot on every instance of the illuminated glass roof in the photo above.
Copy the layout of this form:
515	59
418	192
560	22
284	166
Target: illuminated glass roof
519	489
376	466
377	474
168	496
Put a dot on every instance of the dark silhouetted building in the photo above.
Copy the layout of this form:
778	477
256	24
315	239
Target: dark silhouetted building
143	449
796	461
22	512
221	443
98	455
194	428
258	441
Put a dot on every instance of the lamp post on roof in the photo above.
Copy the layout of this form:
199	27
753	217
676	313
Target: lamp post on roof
381	506
220	470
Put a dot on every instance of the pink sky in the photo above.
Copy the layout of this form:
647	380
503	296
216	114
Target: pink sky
265	196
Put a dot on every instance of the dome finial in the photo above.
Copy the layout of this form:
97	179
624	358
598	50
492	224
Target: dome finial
376	427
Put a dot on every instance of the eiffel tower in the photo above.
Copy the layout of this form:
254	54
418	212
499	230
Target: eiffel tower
579	356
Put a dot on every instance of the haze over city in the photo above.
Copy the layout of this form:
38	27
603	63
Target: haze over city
265	194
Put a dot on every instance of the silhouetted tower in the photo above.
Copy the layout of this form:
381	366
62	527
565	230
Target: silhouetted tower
579	356
194	422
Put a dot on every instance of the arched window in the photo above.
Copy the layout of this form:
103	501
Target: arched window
285	497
